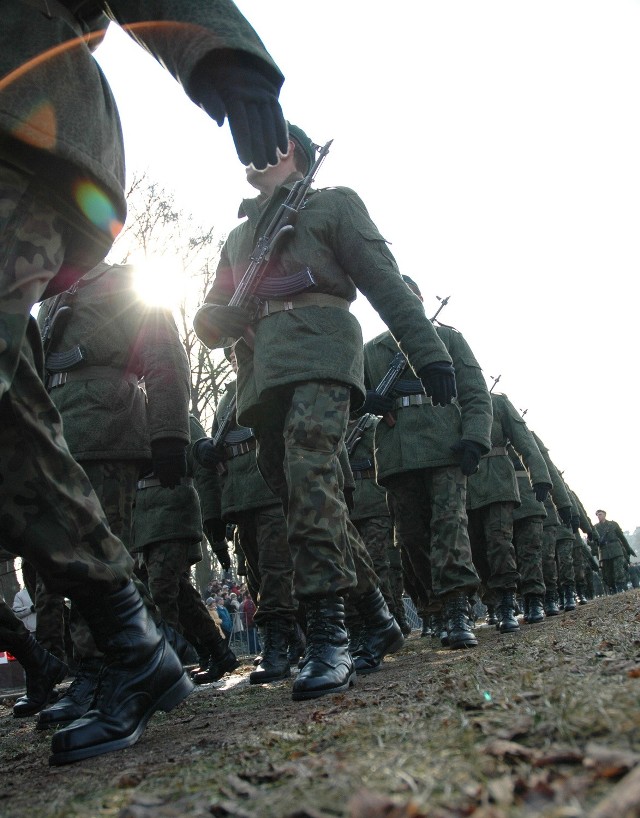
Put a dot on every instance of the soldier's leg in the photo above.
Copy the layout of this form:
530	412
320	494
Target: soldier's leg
377	535
51	515
396	585
300	435
550	570
527	540
501	557
165	563
566	575
579	569
620	573
50	620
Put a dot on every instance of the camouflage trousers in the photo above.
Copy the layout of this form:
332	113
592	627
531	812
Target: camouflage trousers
300	435
431	527
167	575
263	539
527	541
579	563
549	564
564	556
49	513
51	613
376	533
614	572
494	556
396	580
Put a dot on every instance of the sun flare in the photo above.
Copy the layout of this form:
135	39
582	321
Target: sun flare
159	281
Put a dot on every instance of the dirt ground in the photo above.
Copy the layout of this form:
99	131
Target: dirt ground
545	722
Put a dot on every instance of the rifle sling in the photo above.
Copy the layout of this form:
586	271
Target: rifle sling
302	300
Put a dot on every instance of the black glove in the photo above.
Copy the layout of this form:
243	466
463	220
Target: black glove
565	515
225	84
439	381
575	524
169	460
375	404
541	490
206	454
215	530
229	322
470	453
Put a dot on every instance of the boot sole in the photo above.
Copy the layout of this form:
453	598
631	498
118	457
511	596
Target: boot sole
171	698
302	695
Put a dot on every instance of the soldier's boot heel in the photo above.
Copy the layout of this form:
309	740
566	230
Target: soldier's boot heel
379	635
275	664
507	614
43	671
456	616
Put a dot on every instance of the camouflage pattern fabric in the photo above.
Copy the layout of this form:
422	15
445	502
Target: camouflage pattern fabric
614	572
377	535
491	536
564	556
549	564
579	562
396	584
527	541
263	538
431	525
300	432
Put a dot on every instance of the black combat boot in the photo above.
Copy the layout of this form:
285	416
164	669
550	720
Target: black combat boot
379	635
398	613
328	666
551	607
77	700
426	626
183	649
569	600
43	671
534	608
275	653
297	644
456	617
506	612
221	660
581	595
141	674
492	619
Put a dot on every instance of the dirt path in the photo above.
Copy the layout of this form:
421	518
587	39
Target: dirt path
545	722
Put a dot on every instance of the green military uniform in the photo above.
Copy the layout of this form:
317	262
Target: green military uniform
416	464
582	568
296	386
615	553
493	495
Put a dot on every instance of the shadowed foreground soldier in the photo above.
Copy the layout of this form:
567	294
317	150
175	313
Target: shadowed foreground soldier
61	205
300	374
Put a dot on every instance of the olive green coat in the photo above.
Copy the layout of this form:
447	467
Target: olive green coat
559	496
243	487
613	543
369	498
59	118
529	506
112	418
335	237
496	481
423	435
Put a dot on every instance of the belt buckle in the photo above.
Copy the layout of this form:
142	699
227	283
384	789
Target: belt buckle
406	400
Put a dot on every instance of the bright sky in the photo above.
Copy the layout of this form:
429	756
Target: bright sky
497	147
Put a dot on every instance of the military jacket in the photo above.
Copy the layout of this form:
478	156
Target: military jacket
613	543
335	238
166	515
585	522
74	142
369	498
496	481
105	413
559	497
243	487
529	506
424	434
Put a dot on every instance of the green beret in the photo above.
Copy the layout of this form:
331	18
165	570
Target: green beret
303	141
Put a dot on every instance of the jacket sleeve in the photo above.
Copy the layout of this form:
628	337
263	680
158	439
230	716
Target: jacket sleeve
559	492
524	443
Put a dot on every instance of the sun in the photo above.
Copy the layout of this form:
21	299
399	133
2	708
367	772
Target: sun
159	281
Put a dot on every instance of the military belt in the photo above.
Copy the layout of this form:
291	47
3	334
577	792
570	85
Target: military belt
522	474
411	400
273	305
497	451
236	449
364	474
154	482
91	373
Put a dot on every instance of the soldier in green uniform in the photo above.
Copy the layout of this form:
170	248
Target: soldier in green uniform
62	180
303	373
424	455
102	342
492	496
615	553
580	554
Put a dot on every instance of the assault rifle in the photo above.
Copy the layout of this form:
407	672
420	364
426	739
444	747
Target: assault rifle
283	222
495	381
391	377
443	304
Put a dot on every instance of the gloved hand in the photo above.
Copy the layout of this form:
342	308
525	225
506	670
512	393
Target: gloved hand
565	515
439	381
215	530
348	497
206	454
238	88
470	453
375	404
228	322
575	523
541	490
169	460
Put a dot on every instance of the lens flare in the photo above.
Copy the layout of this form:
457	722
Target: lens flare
97	207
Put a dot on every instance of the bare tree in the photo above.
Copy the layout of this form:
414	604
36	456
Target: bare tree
157	229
